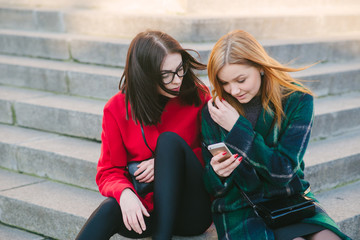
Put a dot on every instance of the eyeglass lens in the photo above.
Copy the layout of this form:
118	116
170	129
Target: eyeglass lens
169	76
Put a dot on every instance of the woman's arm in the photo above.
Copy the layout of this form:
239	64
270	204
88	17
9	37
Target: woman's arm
112	176
279	163
214	184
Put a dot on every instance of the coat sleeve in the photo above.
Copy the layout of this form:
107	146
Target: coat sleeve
112	176
210	134
279	163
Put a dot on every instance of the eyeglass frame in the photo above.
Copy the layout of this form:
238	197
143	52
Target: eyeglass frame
185	69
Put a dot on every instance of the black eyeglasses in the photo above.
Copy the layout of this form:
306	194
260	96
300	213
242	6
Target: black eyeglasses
168	76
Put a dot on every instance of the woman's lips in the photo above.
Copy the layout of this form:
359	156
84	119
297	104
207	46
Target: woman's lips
176	89
241	96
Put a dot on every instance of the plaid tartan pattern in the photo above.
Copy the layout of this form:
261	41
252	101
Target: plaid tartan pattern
272	166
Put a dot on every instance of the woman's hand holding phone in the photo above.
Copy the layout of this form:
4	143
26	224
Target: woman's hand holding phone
224	167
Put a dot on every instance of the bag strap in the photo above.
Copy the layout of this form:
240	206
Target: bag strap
246	197
143	134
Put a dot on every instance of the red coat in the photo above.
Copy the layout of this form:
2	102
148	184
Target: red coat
122	141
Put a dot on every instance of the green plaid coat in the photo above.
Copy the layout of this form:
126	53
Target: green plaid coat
272	166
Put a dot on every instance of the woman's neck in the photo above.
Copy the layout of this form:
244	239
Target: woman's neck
163	100
252	109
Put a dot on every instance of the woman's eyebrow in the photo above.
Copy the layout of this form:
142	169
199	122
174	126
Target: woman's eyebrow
239	76
221	81
169	71
235	78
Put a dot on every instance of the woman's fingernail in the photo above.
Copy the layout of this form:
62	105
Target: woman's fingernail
236	155
240	158
224	153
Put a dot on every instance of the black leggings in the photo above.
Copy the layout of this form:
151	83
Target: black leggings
181	204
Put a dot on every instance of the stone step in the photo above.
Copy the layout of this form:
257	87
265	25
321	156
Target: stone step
74	116
60	158
186	27
82	117
336	114
314	49
51	209
60	77
7	233
264	6
112	51
338	157
65	47
188	6
62	206
102	82
331	79
44	45
73	161
44	207
342	204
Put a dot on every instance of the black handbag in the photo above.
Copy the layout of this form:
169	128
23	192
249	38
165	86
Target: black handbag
281	212
142	188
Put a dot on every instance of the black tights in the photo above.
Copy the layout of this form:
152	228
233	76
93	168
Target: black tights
181	204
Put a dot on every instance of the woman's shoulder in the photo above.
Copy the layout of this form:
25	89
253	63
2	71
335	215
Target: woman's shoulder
204	93
299	101
206	117
298	96
116	103
205	111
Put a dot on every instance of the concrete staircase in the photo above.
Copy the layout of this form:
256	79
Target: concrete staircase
60	63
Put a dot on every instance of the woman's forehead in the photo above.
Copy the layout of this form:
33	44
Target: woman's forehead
230	71
171	61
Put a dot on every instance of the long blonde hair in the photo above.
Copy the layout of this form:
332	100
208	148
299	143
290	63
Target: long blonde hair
240	47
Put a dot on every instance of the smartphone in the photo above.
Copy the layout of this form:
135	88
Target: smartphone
219	148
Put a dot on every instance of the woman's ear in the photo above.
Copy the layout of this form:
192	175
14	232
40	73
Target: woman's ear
262	72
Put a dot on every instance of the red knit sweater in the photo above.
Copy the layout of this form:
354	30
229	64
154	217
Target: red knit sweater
122	141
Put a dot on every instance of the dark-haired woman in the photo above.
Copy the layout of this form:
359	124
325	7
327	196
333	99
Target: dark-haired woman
154	120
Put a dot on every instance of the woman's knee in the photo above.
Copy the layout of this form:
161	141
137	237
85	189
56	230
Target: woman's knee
192	228
170	143
103	222
324	235
110	207
168	137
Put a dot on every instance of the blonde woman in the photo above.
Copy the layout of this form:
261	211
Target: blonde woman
265	117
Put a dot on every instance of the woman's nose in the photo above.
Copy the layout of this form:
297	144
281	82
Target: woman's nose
235	90
177	79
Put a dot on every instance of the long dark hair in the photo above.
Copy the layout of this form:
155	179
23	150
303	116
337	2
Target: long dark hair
142	76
